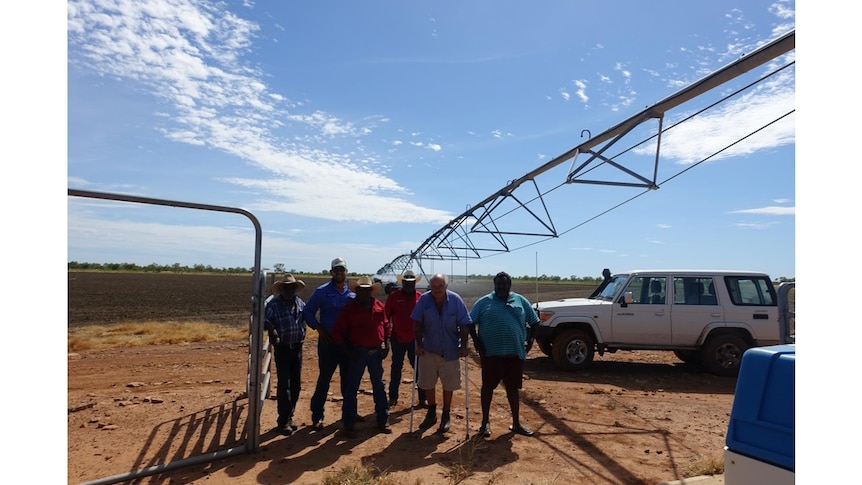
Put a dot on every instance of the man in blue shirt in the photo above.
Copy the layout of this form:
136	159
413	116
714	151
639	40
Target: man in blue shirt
285	324
440	326
328	299
500	321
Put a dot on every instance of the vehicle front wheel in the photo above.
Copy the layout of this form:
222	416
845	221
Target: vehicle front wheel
573	350
722	354
545	347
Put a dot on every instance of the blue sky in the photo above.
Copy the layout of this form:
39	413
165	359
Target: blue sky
357	130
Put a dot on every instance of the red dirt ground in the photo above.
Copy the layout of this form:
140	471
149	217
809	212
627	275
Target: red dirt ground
633	418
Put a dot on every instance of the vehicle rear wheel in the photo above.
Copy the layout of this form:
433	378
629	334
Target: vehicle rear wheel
722	354
573	350
689	356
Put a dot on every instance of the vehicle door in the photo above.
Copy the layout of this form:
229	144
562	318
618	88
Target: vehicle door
695	306
647	319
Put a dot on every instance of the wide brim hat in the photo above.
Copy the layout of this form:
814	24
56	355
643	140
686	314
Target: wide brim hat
364	281
409	275
287	280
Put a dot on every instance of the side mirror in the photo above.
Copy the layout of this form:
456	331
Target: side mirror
627	299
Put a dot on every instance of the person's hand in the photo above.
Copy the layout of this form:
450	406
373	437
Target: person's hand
385	351
420	350
274	339
464	351
480	347
323	335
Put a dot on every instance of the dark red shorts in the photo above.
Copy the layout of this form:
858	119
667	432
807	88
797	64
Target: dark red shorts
507	368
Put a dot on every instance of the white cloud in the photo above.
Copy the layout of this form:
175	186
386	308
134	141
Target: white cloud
752	225
771	211
582	90
190	55
704	135
435	147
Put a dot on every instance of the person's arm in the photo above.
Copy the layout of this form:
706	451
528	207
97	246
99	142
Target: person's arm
419	336
311	308
269	319
475	317
463	334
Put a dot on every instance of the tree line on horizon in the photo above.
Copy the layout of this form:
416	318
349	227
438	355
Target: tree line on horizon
280	269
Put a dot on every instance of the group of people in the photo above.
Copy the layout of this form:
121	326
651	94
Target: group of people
356	332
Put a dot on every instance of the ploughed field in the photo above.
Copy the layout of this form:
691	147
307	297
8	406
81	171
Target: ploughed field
104	298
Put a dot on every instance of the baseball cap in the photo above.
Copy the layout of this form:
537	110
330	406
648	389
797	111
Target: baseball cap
339	262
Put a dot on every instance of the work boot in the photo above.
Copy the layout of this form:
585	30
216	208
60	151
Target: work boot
430	418
444	422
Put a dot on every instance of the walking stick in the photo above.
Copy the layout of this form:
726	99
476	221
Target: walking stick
413	389
467	393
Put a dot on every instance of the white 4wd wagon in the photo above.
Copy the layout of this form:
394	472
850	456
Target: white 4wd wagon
703	316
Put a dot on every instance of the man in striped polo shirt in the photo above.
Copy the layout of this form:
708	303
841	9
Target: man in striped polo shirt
499	330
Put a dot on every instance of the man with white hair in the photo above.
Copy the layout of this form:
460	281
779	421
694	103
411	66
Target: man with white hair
440	327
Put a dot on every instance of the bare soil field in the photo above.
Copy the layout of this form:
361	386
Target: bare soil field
633	418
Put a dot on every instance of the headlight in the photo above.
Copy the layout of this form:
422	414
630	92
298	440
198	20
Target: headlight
545	315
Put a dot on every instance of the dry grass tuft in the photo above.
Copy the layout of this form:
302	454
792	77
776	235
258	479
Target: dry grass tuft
709	465
352	475
135	334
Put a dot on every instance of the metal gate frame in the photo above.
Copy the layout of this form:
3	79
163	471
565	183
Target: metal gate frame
258	381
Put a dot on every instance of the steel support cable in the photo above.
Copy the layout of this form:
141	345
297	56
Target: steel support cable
659	184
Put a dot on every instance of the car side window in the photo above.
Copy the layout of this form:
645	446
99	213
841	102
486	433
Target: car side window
648	290
637	286
694	290
750	291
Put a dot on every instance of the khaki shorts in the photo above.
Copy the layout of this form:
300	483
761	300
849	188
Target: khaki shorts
433	366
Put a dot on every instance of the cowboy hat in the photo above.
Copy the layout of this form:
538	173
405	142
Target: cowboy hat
365	282
288	279
409	275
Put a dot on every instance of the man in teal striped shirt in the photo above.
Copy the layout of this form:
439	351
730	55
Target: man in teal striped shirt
499	330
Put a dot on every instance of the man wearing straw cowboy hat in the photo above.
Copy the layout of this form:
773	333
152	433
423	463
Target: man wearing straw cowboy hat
285	324
363	332
399	304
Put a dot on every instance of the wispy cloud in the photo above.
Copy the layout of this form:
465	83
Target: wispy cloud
191	56
712	131
770	211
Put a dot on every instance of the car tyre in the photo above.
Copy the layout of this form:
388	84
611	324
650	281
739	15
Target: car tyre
692	357
722	354
573	350
545	347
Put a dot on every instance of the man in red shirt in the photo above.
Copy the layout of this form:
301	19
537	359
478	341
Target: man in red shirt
399	305
363	332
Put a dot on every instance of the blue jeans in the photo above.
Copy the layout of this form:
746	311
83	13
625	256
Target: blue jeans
399	350
329	357
373	361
